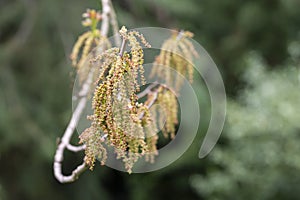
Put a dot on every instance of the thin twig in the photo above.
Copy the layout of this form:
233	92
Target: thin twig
114	24
65	141
73	148
83	94
71	178
106	9
146	90
149	104
153	85
180	35
154	98
122	49
154	94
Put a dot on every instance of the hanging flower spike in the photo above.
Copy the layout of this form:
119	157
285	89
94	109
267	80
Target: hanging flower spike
117	112
178	53
91	19
86	42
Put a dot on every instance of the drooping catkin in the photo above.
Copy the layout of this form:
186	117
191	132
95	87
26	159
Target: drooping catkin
116	108
120	120
177	54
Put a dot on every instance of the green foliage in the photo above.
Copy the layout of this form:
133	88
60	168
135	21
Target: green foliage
260	157
228	29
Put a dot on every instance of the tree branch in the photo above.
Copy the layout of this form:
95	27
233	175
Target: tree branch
122	48
107	13
73	148
106	9
83	95
154	95
146	90
151	101
114	24
65	140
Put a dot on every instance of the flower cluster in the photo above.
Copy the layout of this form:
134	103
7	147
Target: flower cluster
92	138
177	54
118	116
169	108
86	42
91	18
120	119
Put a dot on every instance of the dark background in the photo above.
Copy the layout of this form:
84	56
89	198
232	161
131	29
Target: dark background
255	44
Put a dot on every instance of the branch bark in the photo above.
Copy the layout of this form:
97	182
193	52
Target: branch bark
108	17
65	140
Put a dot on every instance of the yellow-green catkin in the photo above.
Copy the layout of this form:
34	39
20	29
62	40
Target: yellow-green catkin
176	56
119	119
117	112
168	109
86	43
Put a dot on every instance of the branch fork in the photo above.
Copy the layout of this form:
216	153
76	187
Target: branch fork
107	13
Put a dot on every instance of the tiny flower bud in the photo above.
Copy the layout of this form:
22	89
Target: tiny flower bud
98	16
85	15
87	22
93	14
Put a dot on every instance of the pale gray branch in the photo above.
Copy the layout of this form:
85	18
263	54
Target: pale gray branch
70	178
65	140
83	94
73	148
146	90
106	9
150	103
114	24
122	48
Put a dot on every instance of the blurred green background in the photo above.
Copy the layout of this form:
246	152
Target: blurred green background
255	44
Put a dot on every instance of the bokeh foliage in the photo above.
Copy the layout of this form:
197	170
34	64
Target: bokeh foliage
260	158
36	38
